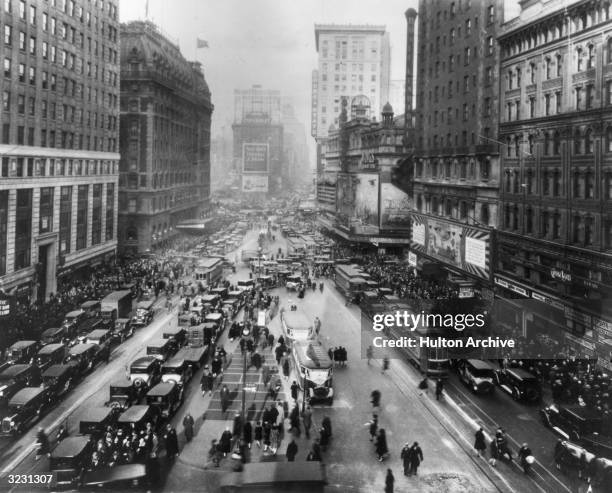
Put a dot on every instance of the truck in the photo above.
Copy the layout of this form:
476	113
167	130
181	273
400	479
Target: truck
116	305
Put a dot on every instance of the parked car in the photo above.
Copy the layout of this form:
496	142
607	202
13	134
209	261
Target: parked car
54	335
97	420
144	313
123	329
520	384
84	357
51	354
69	460
478	375
177	370
59	379
72	320
167	397
102	338
161	348
16	377
22	352
88	326
145	372
123	394
24	407
176	334
137	417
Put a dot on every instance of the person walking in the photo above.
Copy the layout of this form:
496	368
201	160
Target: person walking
369	353
439	388
385	364
248	433
307	420
415	457
224	395
375	399
225	443
525	457
214	453
171	441
292	450
258	433
188	423
405	456
381	445
373	426
389	481
326	424
480	442
295	389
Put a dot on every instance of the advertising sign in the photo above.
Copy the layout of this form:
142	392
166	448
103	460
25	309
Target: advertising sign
395	206
255	158
255	183
357	202
465	247
412	259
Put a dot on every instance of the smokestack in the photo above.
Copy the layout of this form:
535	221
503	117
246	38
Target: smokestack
410	20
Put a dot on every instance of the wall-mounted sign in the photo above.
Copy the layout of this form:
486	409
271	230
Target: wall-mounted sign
5	307
466	292
412	259
561	275
255	158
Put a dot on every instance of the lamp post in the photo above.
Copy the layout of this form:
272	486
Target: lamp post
259	261
246	333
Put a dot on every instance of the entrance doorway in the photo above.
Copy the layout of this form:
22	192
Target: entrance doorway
45	271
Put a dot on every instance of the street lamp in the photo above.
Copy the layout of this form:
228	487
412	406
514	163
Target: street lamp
259	261
246	334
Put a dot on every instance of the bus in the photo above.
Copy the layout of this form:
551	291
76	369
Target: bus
296	326
349	280
432	362
315	370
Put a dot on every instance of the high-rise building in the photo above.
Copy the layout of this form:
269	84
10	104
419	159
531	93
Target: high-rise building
59	142
354	60
165	138
397	92
296	167
456	165
555	241
258	139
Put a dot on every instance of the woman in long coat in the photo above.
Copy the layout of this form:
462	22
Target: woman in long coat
381	445
479	442
225	443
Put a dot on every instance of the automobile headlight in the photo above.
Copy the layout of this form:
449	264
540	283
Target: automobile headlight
12	423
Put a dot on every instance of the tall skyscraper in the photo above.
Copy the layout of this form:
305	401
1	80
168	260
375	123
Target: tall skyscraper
354	60
165	138
59	142
456	162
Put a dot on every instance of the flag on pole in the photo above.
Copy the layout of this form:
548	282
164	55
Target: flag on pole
200	43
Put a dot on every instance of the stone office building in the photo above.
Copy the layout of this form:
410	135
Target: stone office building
555	240
59	141
165	139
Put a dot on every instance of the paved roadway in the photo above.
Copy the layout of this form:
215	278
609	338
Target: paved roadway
443	429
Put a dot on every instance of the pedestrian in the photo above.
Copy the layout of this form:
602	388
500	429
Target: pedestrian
258	433
439	388
307	420
480	442
213	453
248	433
382	451
224	395
265	374
326	424
415	457
292	450
267	430
375	398
295	388
225	443
321	286
188	423
171	441
286	366
405	456
385	364
369	353
317	325
373	426
389	482
525	457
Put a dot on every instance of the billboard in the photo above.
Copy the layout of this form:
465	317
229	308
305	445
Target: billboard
255	158
464	247
357	202
394	207
255	183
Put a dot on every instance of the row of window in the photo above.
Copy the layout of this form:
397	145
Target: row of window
19	167
438	67
456	7
452	208
447	141
43	137
460	169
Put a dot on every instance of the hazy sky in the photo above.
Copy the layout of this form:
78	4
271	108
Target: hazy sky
267	42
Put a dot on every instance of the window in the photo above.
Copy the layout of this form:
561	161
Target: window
45	21
609	139
65	218
490	45
532	106
545	226
489	75
21	104
590	96
32	14
510	79
467	56
577	142
588	141
589	230
110	211
22	9
547	104
23	229
491	14
579	60
518	77
576	229
96	215
32	45
558	102
559	65
578	98
46	210
32	76
487	107
82	203
590	57
533	72
8	35
548	68
556	143
22	41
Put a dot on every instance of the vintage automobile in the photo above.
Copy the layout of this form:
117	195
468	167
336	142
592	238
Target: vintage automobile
54	335
22	352
72	321
293	282
103	338
177	370
232	307
167	397
216	318
145	372
580	425
210	299
478	375
84	357
16	377
520	384
51	354
221	292
144	313
137	417
88	326
59	379
69	460
176	334
161	348
24	407
91	308
119	478
123	394
123	329
97	420
238	296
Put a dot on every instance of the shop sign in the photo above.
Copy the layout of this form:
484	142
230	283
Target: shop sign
412	259
5	307
557	304
466	292
603	327
501	282
539	297
581	342
577	316
561	275
518	289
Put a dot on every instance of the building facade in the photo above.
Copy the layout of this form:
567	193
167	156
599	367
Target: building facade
59	142
165	139
456	165
258	140
296	165
555	243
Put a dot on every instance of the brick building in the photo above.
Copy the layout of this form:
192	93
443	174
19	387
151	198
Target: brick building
59	140
165	138
555	243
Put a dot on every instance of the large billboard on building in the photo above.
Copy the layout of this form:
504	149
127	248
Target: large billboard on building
255	158
464	247
395	206
357	202
255	183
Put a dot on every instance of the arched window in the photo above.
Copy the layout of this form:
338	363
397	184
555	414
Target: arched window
547	68
588	141
559	65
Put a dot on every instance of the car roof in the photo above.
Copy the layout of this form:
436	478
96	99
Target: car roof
176	360
581	412
133	413
90	303
520	373
98	333
14	370
161	389
97	414
144	361
56	370
81	348
25	395
53	331
480	364
106	475
158	342
49	348
74	313
22	344
71	446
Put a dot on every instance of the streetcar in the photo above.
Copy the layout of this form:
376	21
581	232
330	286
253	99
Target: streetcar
350	281
315	370
296	326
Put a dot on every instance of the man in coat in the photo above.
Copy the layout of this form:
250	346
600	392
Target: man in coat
307	420
415	457
207	381
292	450
188	423
171	441
295	388
224	394
405	456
